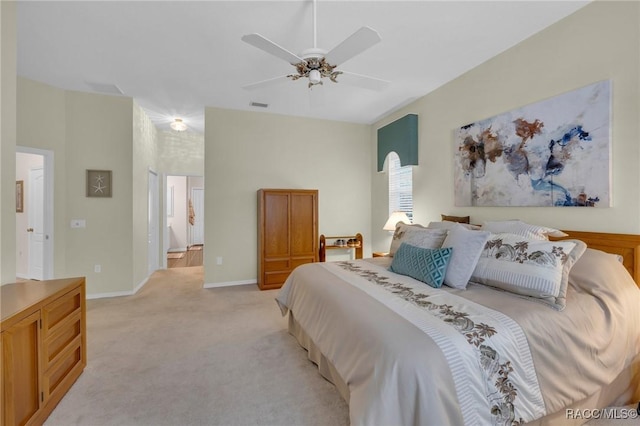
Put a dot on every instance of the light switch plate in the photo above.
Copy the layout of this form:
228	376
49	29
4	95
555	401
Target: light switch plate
78	223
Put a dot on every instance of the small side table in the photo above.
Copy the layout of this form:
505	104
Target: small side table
380	254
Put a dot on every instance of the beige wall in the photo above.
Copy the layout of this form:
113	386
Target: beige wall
42	125
99	136
600	41
246	151
7	141
181	153
92	131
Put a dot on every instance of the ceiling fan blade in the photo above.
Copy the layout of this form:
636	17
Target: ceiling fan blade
268	46
353	45
266	83
363	81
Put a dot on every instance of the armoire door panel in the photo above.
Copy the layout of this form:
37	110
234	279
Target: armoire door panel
303	224
276	225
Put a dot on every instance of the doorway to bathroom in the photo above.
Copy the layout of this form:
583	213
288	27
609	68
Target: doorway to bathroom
185	221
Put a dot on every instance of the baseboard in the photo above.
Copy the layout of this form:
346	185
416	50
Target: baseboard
22	276
229	283
107	295
176	250
118	293
142	283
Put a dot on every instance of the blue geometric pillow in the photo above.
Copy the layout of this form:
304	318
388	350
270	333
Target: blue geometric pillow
426	265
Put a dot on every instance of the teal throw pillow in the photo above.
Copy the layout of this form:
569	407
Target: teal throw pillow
426	265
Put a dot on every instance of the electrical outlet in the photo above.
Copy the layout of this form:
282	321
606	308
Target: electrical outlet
97	268
219	260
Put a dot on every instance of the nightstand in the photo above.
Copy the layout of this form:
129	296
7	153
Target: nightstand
380	254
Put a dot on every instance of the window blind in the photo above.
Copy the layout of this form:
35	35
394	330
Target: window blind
400	186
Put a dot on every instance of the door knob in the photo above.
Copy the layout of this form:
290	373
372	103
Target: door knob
29	229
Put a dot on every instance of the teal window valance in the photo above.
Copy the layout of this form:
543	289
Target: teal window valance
401	136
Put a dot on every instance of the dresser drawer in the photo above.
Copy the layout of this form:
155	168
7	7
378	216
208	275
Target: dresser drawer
54	313
276	265
66	331
301	261
275	278
66	368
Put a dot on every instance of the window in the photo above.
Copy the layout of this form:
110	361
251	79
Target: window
400	186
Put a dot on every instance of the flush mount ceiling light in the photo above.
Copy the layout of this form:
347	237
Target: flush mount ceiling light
178	125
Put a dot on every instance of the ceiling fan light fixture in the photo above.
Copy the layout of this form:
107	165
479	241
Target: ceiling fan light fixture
314	76
178	125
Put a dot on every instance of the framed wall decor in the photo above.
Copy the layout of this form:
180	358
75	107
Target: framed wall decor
99	183
556	153
19	196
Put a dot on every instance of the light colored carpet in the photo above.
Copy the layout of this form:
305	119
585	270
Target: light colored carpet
178	354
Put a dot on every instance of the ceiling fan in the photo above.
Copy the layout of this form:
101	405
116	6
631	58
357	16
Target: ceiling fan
316	64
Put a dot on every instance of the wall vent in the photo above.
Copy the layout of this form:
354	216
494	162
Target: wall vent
259	105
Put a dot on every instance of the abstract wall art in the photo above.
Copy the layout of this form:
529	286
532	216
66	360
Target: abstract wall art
555	152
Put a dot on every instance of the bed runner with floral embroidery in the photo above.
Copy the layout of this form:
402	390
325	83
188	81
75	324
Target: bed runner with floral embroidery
487	351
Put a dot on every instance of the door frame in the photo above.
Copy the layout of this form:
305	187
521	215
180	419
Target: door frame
48	212
153	223
165	219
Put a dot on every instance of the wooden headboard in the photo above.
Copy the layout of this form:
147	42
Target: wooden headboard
625	245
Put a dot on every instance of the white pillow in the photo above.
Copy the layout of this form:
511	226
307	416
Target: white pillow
526	230
529	267
467	246
417	236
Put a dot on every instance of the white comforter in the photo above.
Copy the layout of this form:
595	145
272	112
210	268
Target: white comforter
410	354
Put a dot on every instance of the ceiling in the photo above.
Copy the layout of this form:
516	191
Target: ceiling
174	58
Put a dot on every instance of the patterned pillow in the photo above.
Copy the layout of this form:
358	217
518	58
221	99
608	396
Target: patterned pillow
423	264
526	230
467	246
529	267
416	235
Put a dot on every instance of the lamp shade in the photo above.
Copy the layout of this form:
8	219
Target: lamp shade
395	217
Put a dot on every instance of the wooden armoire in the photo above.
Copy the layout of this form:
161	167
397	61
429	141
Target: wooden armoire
287	233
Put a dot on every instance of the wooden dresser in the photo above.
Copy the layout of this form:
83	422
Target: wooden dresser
287	233
43	346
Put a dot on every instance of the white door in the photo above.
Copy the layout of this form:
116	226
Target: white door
36	224
154	209
197	230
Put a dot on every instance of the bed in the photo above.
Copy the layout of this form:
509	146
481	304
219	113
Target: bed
401	352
